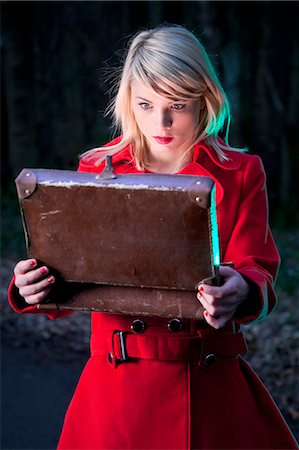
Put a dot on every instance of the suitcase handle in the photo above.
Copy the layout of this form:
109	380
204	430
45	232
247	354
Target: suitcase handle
107	173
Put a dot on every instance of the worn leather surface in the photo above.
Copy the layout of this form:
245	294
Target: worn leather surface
126	300
147	232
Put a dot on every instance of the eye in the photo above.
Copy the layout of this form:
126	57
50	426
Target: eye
144	105
178	106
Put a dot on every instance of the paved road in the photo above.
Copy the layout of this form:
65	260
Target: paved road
35	393
36	389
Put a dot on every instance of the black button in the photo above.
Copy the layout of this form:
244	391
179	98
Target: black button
175	325
210	360
138	326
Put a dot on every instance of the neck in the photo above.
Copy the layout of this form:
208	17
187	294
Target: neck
168	163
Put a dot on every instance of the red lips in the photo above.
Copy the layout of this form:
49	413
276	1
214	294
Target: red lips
163	140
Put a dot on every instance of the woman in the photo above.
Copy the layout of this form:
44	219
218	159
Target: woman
170	109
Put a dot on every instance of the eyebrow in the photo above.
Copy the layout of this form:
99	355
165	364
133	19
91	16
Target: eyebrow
144	99
174	100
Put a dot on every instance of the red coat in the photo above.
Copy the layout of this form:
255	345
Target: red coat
161	398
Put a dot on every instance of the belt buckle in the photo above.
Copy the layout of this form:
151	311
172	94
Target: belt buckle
112	358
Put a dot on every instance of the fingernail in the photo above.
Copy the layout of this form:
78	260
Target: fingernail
51	279
206	313
44	270
32	263
201	289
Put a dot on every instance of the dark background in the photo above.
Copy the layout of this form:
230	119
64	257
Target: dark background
53	97
52	103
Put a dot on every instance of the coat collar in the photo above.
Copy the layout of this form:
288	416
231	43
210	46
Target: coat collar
203	156
232	163
206	160
200	151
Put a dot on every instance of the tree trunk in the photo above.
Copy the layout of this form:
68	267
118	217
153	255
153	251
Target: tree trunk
19	80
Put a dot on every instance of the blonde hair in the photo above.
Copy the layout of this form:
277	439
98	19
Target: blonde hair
170	60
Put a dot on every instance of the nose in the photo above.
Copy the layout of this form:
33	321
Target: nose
165	119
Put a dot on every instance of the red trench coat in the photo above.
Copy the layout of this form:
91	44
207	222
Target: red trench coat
161	399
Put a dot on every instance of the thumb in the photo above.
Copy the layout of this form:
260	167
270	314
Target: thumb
226	271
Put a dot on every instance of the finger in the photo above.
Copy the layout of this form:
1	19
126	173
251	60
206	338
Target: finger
216	322
32	289
25	266
210	299
216	310
217	307
225	272
211	291
206	304
37	298
32	277
223	304
228	288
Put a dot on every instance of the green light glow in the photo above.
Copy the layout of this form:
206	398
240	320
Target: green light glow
214	229
216	123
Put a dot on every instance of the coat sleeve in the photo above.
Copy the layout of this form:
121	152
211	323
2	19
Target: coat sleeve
19	305
252	247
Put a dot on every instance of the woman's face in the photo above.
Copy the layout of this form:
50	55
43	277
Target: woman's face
168	125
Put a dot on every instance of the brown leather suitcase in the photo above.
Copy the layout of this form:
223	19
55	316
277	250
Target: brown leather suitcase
128	244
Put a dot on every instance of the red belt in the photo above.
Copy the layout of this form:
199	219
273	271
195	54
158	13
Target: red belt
205	347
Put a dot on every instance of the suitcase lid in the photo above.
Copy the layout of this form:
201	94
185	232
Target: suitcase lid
50	197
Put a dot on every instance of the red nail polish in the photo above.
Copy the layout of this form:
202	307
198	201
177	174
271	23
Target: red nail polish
51	279
44	270
201	289
32	263
205	313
